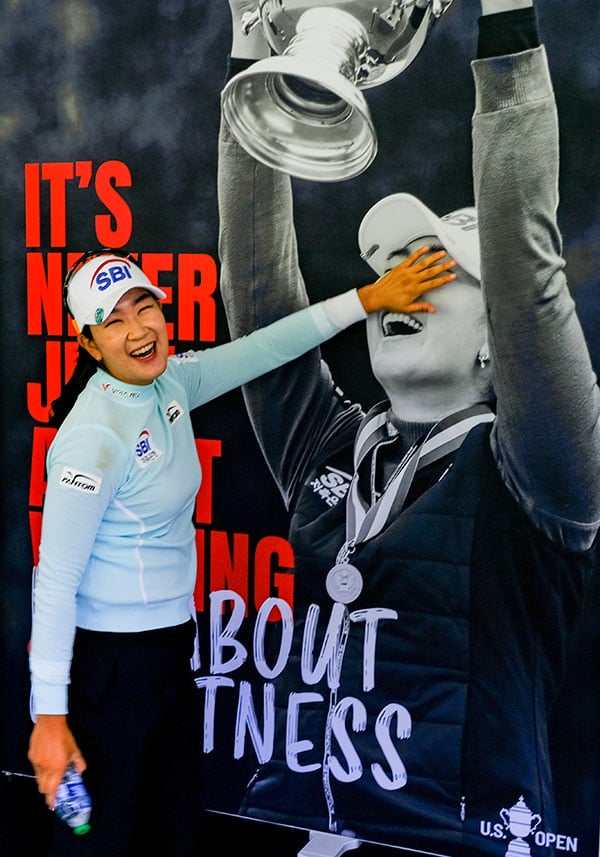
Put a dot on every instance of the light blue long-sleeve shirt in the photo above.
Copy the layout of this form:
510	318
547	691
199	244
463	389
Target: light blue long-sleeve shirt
117	550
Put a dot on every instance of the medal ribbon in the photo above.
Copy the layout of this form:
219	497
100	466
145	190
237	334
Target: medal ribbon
365	520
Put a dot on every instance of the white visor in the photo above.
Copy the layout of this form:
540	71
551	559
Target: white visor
397	220
95	289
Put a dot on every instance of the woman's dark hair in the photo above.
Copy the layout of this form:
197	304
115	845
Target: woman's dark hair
85	367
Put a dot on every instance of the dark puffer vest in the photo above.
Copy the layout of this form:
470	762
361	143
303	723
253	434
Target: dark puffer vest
440	738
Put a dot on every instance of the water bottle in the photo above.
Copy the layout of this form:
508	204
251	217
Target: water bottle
73	804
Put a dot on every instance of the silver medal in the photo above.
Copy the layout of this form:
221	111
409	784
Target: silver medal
344	583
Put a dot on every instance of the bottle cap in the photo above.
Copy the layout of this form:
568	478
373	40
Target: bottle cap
81	829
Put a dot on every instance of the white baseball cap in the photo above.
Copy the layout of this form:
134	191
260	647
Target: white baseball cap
94	285
398	219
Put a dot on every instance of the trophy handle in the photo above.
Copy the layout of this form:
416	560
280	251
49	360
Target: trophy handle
537	819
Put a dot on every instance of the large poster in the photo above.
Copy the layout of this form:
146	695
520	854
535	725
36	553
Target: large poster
109	123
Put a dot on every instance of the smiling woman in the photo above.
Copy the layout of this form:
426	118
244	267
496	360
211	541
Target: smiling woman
131	343
92	289
114	614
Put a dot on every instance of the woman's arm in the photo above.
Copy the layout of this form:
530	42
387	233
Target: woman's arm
547	434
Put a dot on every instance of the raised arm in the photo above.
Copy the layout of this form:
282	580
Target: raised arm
292	409
260	277
257	242
547	433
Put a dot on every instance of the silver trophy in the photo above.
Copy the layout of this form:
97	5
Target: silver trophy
302	110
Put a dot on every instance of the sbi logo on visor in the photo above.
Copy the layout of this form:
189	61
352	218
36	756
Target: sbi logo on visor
111	272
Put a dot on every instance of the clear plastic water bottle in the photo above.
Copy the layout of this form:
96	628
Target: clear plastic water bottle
73	804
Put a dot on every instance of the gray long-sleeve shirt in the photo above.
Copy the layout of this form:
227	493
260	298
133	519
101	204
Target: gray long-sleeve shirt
547	434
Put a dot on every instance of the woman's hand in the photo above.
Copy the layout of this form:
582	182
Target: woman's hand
251	45
52	748
398	290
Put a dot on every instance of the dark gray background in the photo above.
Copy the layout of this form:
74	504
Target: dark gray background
145	78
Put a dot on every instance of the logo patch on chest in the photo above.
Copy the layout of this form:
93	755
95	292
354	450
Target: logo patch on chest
145	452
332	485
173	412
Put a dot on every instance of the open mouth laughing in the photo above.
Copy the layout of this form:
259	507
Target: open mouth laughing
400	324
145	351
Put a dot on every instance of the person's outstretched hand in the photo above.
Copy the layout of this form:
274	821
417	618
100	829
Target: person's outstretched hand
399	290
251	44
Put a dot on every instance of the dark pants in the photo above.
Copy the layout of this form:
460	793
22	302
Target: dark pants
135	713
